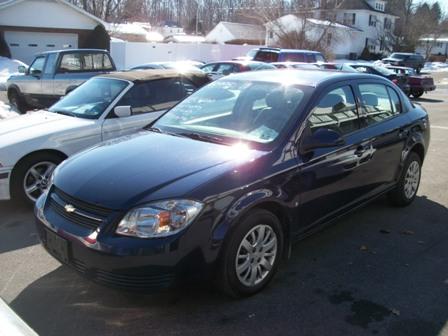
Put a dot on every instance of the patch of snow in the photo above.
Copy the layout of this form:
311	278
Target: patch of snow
8	67
6	112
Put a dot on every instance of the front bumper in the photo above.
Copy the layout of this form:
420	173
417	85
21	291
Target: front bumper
5	177
122	262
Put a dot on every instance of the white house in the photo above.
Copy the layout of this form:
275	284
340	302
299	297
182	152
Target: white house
356	24
433	45
32	26
236	33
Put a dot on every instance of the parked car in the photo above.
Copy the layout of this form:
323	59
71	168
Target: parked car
400	80
337	67
295	65
180	65
217	70
104	107
53	74
410	60
270	55
418	84
229	193
11	324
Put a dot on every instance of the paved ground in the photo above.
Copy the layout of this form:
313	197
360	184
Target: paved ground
379	271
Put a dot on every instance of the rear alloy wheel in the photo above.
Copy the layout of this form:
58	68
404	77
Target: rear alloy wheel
407	187
32	177
251	255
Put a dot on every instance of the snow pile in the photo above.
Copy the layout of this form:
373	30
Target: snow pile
6	112
8	67
435	67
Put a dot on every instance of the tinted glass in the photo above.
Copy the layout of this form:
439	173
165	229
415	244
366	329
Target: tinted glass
90	99
236	110
226	68
266	56
320	58
208	68
294	57
153	96
396	104
189	87
399	56
37	65
70	63
336	111
95	62
51	62
376	103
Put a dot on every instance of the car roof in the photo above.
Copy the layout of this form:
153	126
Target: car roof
71	51
153	74
304	77
290	50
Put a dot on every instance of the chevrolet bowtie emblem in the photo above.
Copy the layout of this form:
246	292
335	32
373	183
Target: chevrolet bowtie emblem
69	208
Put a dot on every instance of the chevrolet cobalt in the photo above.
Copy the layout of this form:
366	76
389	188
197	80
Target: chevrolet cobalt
224	182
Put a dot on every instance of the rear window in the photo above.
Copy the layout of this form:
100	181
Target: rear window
96	61
266	56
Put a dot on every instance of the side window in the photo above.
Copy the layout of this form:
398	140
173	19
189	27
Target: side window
153	96
37	67
320	58
336	111
294	57
267	56
225	69
94	62
395	100
376	103
189	87
208	68
310	58
70	63
49	66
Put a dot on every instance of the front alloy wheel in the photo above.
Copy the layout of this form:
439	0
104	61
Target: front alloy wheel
251	254
256	255
37	179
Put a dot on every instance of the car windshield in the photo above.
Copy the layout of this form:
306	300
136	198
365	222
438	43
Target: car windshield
235	110
383	70
398	56
90	99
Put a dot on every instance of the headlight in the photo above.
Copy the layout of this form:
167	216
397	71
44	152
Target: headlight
159	219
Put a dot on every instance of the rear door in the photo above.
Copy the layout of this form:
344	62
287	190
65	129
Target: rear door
334	178
148	100
385	122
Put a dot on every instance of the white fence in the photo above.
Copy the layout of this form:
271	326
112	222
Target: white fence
129	54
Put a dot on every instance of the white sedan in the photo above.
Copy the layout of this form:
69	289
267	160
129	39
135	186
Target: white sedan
104	107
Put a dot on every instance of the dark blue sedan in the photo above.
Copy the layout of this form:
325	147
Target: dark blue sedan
225	182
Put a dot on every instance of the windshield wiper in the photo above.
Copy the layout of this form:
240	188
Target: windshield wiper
203	137
71	114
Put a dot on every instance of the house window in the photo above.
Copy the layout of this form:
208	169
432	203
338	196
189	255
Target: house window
372	20
271	34
367	42
329	37
349	19
379	6
387	23
381	45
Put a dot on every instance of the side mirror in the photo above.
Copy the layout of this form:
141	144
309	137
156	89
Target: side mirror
35	73
21	69
122	111
321	138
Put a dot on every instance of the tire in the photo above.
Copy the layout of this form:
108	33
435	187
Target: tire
42	164
17	102
240	283
417	93
407	187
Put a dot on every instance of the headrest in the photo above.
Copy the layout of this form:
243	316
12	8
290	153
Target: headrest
330	100
276	99
370	99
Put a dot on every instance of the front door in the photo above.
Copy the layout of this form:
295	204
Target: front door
332	178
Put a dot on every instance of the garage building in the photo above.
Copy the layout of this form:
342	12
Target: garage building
33	26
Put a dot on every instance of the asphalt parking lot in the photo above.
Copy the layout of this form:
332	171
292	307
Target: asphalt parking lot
378	271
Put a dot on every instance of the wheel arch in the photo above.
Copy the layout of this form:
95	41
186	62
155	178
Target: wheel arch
419	149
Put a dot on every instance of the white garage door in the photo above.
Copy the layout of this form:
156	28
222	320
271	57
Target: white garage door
24	45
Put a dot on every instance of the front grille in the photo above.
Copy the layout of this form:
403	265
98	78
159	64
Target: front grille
83	214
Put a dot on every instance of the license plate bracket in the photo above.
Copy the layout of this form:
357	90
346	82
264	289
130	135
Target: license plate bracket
58	246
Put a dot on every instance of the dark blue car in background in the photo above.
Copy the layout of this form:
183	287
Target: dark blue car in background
228	179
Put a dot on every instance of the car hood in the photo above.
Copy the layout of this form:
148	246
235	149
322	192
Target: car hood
35	124
124	172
